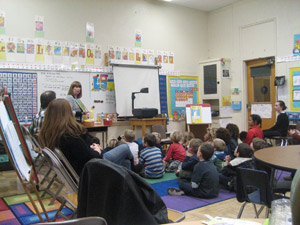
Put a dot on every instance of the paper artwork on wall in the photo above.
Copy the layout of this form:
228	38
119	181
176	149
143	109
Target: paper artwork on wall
90	32
138	38
2	22
89	54
263	110
39	26
296	49
2	49
39	53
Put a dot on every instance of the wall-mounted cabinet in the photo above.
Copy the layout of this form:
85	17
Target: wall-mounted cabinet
215	88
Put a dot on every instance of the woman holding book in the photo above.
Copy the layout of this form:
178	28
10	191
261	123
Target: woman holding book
73	97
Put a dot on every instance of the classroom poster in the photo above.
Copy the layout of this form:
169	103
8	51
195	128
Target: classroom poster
138	38
30	50
23	89
295	88
196	113
98	56
39	26
90	54
2	49
20	53
296	50
2	22
103	92
39	53
183	90
90	32
10	49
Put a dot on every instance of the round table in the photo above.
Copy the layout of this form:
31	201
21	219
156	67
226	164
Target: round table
285	158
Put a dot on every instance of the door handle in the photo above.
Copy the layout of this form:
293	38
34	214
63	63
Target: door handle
249	105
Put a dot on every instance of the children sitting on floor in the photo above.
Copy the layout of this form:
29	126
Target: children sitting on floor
219	155
158	141
205	180
187	137
129	137
243	159
175	154
151	158
190	160
243	136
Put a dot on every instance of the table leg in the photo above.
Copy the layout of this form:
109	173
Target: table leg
143	129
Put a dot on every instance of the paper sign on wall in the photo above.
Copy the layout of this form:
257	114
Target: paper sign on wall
263	110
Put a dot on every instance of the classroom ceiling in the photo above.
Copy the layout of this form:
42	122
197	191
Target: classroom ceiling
204	5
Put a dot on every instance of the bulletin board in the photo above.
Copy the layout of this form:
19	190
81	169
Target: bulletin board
183	90
295	88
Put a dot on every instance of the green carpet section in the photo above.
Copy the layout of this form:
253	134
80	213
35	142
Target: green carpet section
166	177
16	199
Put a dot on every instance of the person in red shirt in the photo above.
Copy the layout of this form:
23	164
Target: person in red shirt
176	153
255	130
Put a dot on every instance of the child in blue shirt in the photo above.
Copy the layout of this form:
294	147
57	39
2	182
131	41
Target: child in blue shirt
151	158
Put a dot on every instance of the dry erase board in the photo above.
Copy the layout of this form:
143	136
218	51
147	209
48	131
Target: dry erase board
97	89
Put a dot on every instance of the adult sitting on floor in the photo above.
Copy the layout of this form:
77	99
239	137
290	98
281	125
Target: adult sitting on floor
282	124
61	130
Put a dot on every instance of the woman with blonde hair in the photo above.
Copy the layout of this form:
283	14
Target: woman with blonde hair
61	130
74	95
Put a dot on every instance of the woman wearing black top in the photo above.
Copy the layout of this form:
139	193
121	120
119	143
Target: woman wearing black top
282	124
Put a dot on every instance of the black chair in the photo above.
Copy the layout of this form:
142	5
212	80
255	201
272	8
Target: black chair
253	186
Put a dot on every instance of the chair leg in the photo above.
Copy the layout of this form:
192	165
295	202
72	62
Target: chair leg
260	210
255	210
267	212
241	210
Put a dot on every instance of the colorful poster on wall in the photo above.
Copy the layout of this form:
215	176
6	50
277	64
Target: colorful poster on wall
295	89
183	90
90	32
138	38
39	53
2	22
296	50
23	89
103	92
39	26
2	49
226	100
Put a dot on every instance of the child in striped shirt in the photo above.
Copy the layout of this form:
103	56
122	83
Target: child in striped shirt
151	158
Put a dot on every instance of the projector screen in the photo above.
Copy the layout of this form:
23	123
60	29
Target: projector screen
130	79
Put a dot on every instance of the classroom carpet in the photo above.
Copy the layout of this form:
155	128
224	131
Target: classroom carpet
18	210
183	203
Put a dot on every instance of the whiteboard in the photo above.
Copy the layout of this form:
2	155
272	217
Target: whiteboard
102	98
132	79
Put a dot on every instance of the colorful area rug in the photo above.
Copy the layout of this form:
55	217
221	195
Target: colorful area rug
183	203
17	209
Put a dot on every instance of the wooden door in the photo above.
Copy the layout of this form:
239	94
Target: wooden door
261	89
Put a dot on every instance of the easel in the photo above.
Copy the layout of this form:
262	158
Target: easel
198	126
32	179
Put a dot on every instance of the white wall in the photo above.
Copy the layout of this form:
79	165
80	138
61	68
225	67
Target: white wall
164	26
252	29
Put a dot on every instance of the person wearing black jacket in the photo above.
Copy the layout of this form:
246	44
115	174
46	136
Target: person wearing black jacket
282	124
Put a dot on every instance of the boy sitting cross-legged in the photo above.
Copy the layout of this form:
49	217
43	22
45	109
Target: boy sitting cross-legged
205	179
151	158
190	160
